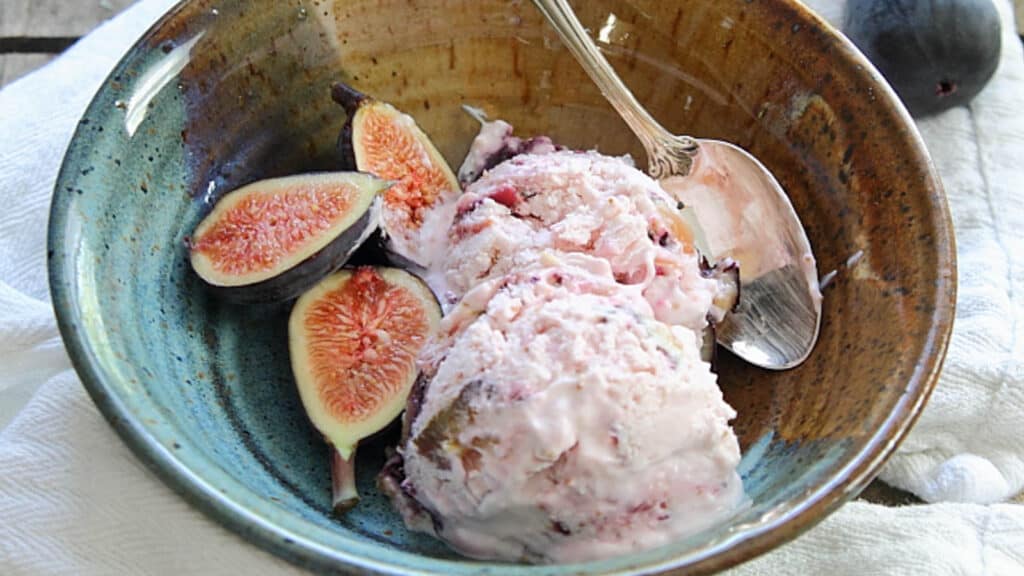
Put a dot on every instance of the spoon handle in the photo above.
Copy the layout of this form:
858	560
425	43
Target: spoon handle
652	135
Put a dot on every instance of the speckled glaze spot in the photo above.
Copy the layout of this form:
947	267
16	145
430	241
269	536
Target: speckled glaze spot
202	390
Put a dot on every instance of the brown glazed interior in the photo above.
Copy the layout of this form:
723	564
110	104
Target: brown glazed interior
764	74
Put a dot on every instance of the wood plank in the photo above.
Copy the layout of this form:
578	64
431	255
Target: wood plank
14	66
55	17
879	492
1018	5
35	44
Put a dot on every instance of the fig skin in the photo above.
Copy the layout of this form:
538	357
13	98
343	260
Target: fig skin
350	99
434	438
291	281
936	54
372	322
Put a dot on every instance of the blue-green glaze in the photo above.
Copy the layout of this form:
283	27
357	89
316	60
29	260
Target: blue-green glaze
222	93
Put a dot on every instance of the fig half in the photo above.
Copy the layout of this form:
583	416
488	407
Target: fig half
274	239
353	340
384	141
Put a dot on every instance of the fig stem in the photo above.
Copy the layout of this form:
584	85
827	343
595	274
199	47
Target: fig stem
347	96
344	494
478	114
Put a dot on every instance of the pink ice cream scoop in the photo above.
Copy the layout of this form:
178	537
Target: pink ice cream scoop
557	420
579	202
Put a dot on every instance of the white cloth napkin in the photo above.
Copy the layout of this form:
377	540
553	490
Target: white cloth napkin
73	499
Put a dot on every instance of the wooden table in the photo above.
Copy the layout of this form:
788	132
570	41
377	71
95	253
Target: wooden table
32	32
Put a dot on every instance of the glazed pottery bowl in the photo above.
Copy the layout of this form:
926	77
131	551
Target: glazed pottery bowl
223	92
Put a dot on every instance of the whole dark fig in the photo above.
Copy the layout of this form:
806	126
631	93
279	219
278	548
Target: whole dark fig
936	54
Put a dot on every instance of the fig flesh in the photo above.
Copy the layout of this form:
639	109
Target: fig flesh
384	141
274	239
936	55
353	341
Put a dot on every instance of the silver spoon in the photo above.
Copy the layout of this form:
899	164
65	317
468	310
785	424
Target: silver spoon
742	211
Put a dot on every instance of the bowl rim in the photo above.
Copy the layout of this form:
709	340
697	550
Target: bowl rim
717	555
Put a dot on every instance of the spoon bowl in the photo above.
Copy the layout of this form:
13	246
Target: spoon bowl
743	212
745	215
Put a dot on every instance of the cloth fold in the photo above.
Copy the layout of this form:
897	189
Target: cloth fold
74	500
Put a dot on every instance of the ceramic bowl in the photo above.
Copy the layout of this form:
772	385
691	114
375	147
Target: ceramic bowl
223	92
